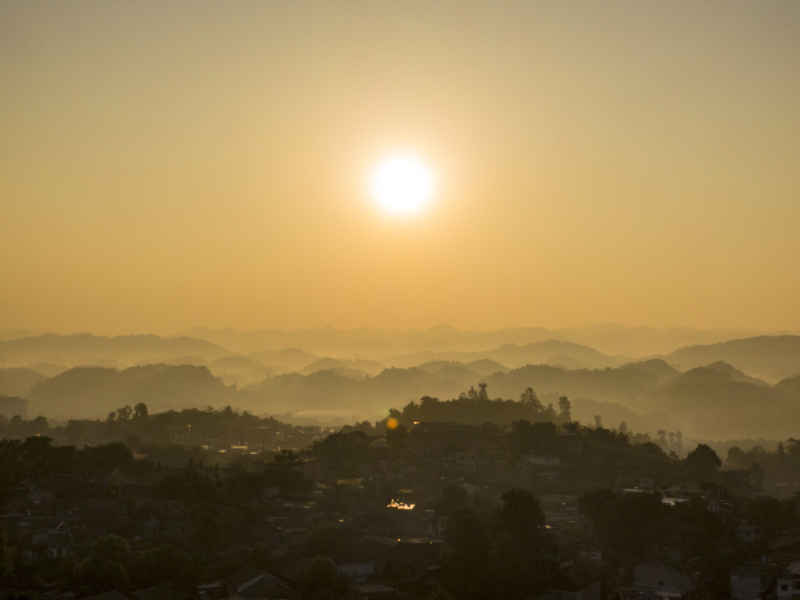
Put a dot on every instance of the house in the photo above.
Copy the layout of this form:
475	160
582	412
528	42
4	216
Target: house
575	591
357	571
263	586
411	557
375	591
788	584
157	592
658	580
56	542
749	533
543	461
215	590
748	582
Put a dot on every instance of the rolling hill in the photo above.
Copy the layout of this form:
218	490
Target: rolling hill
718	400
95	391
18	381
772	357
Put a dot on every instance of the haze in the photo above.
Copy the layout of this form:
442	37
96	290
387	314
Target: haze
207	164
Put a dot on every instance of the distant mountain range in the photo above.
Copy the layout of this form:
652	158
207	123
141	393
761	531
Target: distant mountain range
87	349
354	368
743	387
714	401
772	357
383	345
551	352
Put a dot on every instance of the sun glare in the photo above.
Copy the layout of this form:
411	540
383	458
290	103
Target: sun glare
402	184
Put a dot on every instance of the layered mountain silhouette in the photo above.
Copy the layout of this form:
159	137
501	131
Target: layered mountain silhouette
384	345
95	391
284	360
720	400
18	381
772	357
552	352
649	395
717	398
87	349
352	368
239	370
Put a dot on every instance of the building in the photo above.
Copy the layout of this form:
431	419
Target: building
788	585
748	582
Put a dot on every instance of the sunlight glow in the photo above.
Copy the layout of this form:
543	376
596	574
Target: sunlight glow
402	184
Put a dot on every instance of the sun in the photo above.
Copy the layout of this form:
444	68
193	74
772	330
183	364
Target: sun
402	184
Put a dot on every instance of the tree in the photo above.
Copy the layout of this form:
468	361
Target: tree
40	424
124	413
529	397
662	438
466	568
521	514
524	556
322	581
736	457
703	462
454	497
140	411
564	409
627	525
6	560
106	566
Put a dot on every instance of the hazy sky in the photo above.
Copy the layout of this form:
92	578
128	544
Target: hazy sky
169	164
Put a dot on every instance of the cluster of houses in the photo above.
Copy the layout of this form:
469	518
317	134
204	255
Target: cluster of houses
382	528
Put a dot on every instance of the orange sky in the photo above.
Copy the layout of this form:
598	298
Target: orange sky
207	164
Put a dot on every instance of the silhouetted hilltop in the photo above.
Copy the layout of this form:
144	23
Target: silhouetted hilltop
485	366
239	370
286	359
86	349
628	384
789	386
351	367
772	357
719	371
722	401
656	366
551	352
94	391
555	352
443	379
18	381
648	395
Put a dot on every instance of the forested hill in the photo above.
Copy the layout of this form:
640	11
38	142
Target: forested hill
649	395
94	391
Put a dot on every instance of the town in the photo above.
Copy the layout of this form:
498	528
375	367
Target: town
468	498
